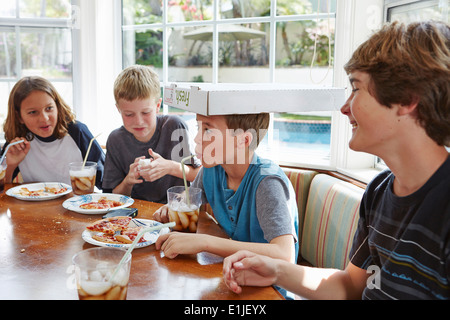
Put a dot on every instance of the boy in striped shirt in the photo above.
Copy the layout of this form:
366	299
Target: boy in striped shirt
399	110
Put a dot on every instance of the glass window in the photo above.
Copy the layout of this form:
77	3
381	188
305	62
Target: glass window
44	8
46	52
301	51
230	9
136	12
189	10
419	11
7	52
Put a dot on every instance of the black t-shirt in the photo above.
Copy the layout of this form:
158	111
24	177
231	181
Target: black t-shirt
405	241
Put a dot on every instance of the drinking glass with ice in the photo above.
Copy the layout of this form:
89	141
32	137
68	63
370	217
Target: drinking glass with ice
82	177
94	268
184	211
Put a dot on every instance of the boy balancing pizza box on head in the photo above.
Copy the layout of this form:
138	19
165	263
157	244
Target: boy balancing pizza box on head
251	197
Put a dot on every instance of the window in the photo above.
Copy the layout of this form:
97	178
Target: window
409	11
244	41
35	39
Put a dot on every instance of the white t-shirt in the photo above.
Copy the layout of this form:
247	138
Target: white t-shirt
53	159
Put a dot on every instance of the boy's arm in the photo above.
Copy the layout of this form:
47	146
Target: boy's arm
174	243
249	269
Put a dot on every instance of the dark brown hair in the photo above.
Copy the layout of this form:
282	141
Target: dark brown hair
408	64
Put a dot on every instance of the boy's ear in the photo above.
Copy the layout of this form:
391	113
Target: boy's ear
158	105
408	108
247	139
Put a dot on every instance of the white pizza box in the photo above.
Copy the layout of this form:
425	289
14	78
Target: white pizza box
222	99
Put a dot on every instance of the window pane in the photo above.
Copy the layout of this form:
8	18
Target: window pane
7	53
143	47
294	7
244	8
5	89
45	8
295	52
46	52
244	53
299	138
8	9
190	10
142	12
425	10
190	59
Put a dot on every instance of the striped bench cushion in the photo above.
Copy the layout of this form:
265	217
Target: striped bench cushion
331	218
301	181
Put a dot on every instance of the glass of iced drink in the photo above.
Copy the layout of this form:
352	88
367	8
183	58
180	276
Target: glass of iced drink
2	174
82	178
94	268
181	211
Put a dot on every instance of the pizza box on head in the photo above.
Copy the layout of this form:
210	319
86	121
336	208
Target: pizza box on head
221	99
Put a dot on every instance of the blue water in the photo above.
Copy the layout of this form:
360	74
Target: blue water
302	132
292	135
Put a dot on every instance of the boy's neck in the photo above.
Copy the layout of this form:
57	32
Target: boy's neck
413	169
235	172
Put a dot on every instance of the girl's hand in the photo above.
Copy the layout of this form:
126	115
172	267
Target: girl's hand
17	152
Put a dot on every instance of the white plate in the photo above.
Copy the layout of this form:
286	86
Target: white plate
14	192
150	237
74	203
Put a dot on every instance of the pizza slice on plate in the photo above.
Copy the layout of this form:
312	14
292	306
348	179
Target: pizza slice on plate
115	230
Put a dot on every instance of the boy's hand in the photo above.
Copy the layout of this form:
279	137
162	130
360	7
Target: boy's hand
162	214
133	174
245	268
175	243
158	167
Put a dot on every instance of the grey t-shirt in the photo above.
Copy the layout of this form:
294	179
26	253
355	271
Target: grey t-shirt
272	197
170	140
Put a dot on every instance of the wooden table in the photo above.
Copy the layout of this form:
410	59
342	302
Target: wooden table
38	240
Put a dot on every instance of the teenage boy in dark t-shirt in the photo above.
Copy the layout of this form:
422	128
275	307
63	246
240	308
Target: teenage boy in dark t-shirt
399	111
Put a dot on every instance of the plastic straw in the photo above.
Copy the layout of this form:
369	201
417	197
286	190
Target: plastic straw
138	237
185	181
89	149
9	145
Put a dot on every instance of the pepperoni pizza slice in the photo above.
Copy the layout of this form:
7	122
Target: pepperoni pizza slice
110	225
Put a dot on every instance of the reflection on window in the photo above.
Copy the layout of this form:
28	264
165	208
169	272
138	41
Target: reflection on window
243	54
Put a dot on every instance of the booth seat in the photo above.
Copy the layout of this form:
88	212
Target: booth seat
328	210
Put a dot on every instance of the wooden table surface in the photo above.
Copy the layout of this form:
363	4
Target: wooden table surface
39	238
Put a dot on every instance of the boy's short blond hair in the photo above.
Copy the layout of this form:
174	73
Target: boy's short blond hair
137	82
